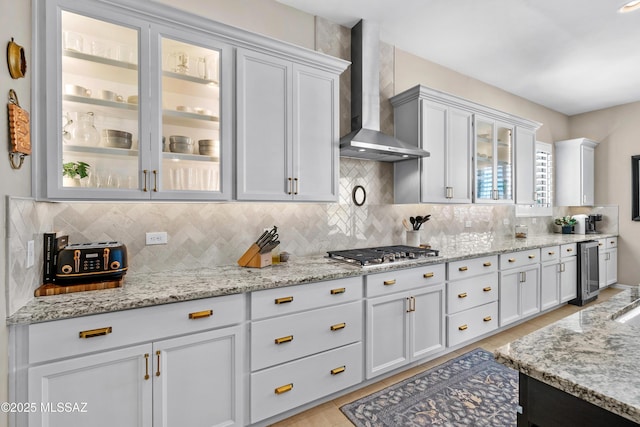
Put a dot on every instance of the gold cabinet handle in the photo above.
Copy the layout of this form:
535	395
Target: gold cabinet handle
612	242
146	366
428	275
462	269
282	340
512	260
201	314
462	295
487	319
338	370
96	332
283	300
145	172
486	264
552	253
290	186
338	291
389	282
462	328
283	389
569	249
297	184
338	326
155	180
487	289
158	363
532	256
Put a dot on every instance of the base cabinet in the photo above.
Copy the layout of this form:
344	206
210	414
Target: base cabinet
608	261
519	285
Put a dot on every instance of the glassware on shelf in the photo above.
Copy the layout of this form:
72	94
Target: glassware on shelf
81	131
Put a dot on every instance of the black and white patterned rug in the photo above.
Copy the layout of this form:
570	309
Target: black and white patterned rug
470	390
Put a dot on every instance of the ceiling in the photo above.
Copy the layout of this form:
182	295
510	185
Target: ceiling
572	56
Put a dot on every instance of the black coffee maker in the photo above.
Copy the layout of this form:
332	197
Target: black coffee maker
590	223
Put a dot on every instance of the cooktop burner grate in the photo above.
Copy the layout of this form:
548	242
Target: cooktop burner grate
382	254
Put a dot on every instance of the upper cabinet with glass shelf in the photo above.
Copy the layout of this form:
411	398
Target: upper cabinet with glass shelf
139	99
494	161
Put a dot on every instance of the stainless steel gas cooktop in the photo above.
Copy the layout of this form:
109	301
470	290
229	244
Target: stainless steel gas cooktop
382	254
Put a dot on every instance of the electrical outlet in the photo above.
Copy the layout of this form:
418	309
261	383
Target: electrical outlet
30	254
156	238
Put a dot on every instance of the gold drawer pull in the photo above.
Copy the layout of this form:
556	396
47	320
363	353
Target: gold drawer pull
146	366
612	242
283	300
532	256
512	260
569	249
599	244
338	291
552	253
158	363
389	282
487	319
462	269
201	314
487	289
487	264
338	326
462	328
284	339
462	295
284	388
339	370
428	275
96	332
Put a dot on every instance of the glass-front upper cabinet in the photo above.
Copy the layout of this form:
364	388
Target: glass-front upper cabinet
133	108
493	161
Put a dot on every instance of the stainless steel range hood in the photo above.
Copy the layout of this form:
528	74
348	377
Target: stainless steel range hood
365	141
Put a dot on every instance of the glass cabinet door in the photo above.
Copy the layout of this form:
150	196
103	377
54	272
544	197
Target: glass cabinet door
101	133
494	161
189	136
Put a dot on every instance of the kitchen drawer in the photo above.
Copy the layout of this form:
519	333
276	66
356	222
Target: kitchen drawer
287	386
471	323
71	337
612	242
550	253
402	280
570	249
519	259
472	267
472	292
285	338
291	299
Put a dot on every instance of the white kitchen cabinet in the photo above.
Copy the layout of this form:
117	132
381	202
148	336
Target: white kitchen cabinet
549	277
608	261
403	327
109	69
494	159
159	373
519	285
568	272
306	343
575	174
446	133
287	129
525	163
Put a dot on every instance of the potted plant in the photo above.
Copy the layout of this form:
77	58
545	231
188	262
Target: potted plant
567	223
73	172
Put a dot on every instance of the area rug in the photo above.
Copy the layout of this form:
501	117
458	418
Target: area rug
470	390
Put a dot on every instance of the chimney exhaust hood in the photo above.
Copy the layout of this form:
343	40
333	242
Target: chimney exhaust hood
365	141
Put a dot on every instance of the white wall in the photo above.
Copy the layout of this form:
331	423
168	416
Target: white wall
15	21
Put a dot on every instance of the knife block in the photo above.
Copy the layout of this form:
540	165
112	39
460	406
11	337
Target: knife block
253	258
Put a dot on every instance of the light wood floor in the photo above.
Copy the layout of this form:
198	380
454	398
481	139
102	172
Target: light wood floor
329	414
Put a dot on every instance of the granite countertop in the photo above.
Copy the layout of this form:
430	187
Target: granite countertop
148	289
587	354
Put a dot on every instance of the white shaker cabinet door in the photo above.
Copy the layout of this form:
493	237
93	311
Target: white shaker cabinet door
568	278
114	385
459	165
264	139
427	321
197	380
525	148
549	285
315	135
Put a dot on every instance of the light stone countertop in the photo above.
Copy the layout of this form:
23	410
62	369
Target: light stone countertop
148	289
587	354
